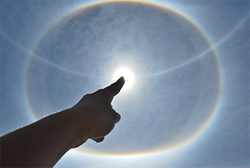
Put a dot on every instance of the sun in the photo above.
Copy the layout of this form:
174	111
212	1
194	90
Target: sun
127	74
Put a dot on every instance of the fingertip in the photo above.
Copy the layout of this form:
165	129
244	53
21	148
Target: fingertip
120	82
122	79
115	87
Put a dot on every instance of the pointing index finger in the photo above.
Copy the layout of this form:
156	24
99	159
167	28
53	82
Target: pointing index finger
115	87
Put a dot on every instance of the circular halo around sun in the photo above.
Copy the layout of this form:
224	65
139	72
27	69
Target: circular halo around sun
66	68
127	74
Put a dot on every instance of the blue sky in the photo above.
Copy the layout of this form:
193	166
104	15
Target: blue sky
189	104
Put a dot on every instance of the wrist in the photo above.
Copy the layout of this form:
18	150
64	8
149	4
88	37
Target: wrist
78	126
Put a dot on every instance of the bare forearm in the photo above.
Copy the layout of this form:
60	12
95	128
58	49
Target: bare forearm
44	142
40	144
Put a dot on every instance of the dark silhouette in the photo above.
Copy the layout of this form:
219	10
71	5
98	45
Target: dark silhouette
43	143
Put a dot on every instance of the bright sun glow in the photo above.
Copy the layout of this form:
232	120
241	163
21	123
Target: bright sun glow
128	75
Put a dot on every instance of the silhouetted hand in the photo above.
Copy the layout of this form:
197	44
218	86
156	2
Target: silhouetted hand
94	113
44	142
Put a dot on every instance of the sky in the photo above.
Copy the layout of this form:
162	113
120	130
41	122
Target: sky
188	105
